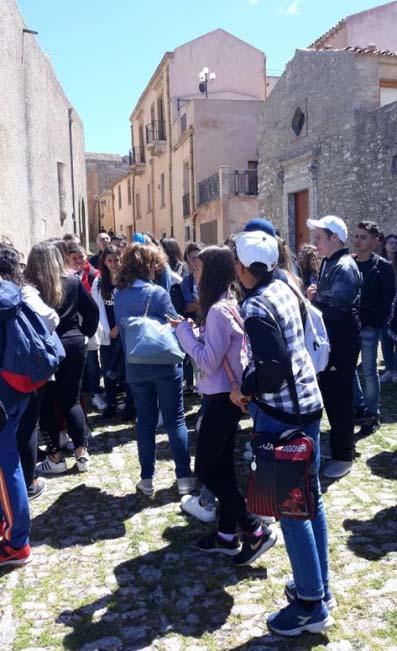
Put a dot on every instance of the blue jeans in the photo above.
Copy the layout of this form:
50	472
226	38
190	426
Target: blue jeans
164	392
370	399
14	505
389	351
306	541
92	373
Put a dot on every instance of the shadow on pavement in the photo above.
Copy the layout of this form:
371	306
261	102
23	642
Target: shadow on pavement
159	593
373	539
86	514
384	465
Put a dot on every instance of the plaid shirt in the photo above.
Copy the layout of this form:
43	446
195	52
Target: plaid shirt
286	308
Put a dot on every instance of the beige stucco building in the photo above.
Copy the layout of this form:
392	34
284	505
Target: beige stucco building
181	139
42	166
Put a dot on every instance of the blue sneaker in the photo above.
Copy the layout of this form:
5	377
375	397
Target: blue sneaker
294	620
290	593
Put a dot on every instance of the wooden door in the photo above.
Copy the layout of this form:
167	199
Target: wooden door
302	234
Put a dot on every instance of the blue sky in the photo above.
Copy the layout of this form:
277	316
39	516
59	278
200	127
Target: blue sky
104	52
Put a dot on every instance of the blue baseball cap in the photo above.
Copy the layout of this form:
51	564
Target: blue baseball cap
139	238
260	224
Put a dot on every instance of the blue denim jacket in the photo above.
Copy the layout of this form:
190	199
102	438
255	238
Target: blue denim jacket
132	301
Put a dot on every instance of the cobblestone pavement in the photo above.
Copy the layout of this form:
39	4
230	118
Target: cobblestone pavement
115	570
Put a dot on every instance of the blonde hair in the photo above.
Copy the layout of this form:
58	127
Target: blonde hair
45	270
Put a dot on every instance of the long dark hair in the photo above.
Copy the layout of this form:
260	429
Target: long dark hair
107	286
173	251
219	272
308	263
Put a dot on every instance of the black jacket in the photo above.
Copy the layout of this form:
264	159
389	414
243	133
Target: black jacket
79	314
377	292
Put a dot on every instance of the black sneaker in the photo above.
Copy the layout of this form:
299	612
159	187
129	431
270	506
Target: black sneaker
214	544
369	426
255	546
36	489
360	415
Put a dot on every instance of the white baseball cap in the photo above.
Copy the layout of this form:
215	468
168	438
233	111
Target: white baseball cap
257	246
334	224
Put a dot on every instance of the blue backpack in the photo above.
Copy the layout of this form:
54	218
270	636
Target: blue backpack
29	354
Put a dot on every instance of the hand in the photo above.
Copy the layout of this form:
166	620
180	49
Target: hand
311	292
240	400
175	321
114	333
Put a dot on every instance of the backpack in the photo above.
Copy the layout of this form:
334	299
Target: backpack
29	354
316	336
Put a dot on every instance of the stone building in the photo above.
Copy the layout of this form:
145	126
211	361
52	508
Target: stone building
42	166
328	140
103	170
182	136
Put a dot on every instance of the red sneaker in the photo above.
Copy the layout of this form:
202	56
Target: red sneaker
11	556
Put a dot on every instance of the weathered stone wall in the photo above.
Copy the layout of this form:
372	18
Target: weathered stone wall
34	138
344	154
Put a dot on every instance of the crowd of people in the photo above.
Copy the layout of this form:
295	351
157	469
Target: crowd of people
238	313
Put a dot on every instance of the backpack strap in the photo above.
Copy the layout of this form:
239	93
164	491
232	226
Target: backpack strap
290	377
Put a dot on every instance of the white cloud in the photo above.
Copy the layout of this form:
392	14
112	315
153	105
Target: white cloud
253	3
293	9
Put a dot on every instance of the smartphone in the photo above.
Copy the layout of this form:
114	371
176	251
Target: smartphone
173	318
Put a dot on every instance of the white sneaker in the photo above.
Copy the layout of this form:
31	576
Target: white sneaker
191	504
186	485
387	376
83	462
336	469
50	467
99	402
146	487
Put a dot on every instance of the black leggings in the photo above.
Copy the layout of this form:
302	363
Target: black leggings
215	462
66	391
27	437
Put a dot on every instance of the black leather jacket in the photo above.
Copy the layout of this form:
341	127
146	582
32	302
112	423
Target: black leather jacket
338	298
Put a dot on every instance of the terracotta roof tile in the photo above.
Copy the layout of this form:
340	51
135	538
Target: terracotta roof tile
371	50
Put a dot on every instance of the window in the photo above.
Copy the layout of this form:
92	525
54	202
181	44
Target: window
129	191
138	206
119	195
187	233
298	121
387	91
149	197
162	191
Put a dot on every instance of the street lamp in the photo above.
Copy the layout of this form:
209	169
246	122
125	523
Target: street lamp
205	76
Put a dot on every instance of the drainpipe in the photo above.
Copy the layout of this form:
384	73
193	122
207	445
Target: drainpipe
152	192
133	202
192	183
70	112
169	129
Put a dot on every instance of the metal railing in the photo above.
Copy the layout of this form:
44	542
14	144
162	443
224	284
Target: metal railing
243	182
208	189
186	204
155	131
137	155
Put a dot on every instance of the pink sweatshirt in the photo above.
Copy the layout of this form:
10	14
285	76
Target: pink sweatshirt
223	336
